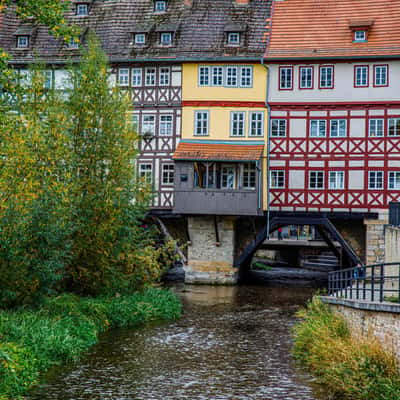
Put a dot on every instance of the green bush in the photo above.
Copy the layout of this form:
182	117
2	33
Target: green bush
62	328
347	367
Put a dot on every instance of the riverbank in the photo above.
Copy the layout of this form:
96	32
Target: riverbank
347	367
62	328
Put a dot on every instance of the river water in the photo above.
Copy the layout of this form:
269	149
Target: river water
231	343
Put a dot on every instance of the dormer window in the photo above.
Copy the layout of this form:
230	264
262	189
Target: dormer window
166	38
73	44
140	39
234	38
82	9
160	6
360	36
23	42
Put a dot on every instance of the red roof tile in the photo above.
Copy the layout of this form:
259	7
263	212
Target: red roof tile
217	152
322	28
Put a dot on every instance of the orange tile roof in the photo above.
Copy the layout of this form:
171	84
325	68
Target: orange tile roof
218	152
322	28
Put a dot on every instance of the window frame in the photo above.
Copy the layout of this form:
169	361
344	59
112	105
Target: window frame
383	127
212	75
78	7
387	74
127	77
249	171
277	171
336	180
136	36
395	173
234	68
251	113
199	72
321	67
382	179
301	67
291	69
27	38
165	169
245	67
170	42
360	40
243	123
318	128
196	113
133	70
338	121
396	127
160	123
233	168
233	42
162	10
153	131
146	74
316	180
279	120
167	72
143	173
356	68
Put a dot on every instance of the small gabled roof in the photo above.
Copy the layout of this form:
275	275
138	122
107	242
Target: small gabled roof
142	28
307	29
26	29
232	27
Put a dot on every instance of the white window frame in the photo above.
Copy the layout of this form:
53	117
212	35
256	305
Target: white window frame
256	124
150	76
82	9
319	123
146	172
238	126
379	127
231	80
168	174
285	78
341	130
23	41
204	75
164	76
137	77
202	117
249	174
48	79
336	180
361	73
309	77
140	39
148	127
123	76
166	128
395	122
232	168
394	177
217	75
360	35
376	180
135	122
323	77
380	75
316	180
164	42
276	177
278	127
157	6
246	76
234	38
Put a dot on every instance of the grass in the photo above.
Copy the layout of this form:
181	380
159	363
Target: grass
346	367
62	328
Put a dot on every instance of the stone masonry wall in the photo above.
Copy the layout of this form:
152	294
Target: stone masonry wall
375	241
385	326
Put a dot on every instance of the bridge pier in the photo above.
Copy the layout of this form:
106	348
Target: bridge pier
211	250
375	239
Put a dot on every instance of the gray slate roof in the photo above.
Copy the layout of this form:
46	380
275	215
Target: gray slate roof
199	30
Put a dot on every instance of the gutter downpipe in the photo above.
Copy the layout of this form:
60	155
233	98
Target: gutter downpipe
268	145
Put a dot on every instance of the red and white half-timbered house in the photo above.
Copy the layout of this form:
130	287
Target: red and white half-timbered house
334	96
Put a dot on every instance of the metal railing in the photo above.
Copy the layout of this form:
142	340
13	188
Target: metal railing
377	282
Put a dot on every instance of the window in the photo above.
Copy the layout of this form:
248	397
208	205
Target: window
286	78
361	76
394	127
237	123
360	36
394	180
148	125
336	180
164	76
231	76
278	128
166	38
160	5
123	76
318	128
375	127
150	79
48	79
217	74
326	77
140	38
277	179
165	125
146	172
136	77
338	128
380	75
316	180
73	44
135	122
168	171
22	42
234	38
204	76
82	9
201	123
375	180
228	177
306	77
246	76
256	124
249	176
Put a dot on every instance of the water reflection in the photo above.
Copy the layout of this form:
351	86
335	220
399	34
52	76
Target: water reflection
232	343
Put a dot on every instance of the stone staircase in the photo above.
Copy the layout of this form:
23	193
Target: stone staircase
325	261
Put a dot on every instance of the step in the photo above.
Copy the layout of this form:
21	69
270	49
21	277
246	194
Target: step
320	267
319	261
